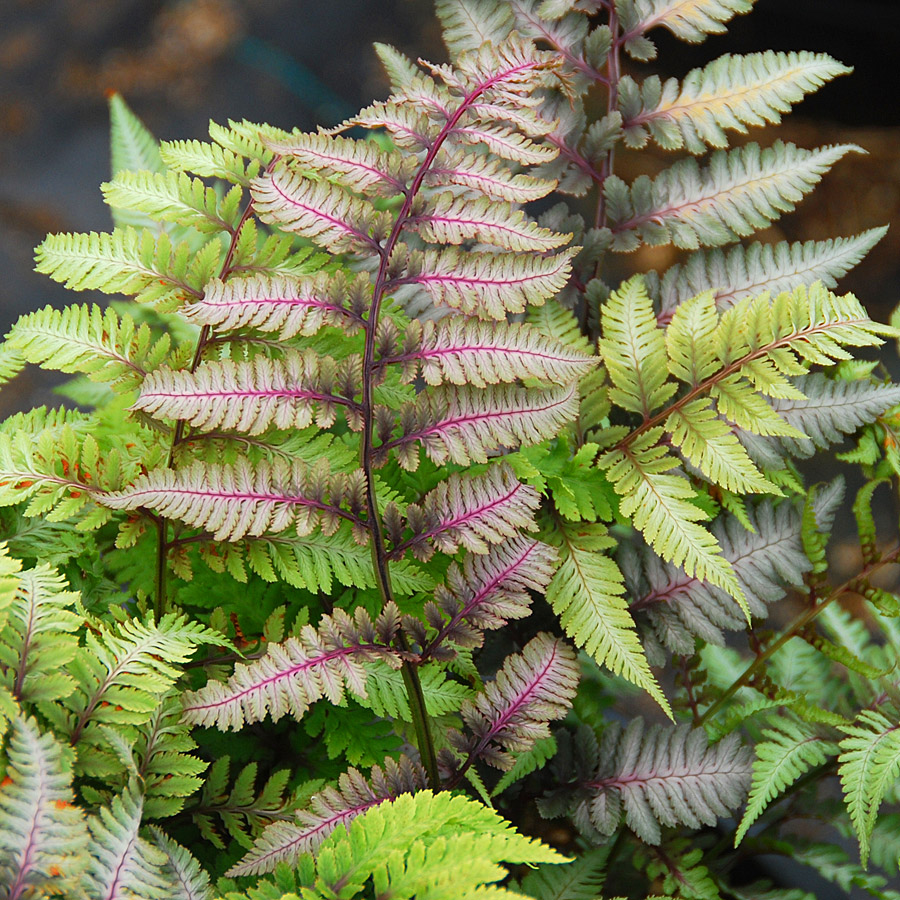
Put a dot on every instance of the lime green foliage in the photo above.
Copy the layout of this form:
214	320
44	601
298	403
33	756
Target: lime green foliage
381	492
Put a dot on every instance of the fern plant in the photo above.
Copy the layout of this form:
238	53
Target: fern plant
376	477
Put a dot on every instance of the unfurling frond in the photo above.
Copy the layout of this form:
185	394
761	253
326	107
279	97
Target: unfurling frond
532	689
467	351
587	594
488	285
488	590
658	775
318	662
127	261
43	837
749	271
252	395
323	212
869	767
731	92
740	192
38	640
786	752
99	343
235	501
464	424
288	307
472	512
329	808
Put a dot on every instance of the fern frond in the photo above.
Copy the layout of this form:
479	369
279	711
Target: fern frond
488	590
450	219
329	808
466	351
731	93
121	863
786	752
749	271
289	307
471	512
486	175
208	161
252	395
125	261
688	20
530	690
559	323
662	775
582	879
869	765
235	501
387	698
468	24
488	285
323	212
633	349
464	424
43	836
38	641
741	191
318	662
132	147
587	594
99	343
181	872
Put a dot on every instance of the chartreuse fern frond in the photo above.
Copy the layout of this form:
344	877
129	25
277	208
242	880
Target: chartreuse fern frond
869	766
99	343
731	93
43	837
788	750
740	192
587	594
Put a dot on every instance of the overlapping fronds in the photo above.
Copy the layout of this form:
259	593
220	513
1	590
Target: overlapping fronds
355	793
532	689
252	395
658	775
469	511
730	93
43	837
748	271
487	285
740	192
100	343
467	351
582	879
182	873
174	197
487	591
38	639
411	847
125	261
788	750
464	424
869	767
487	176
317	662
289	307
233	502
587	594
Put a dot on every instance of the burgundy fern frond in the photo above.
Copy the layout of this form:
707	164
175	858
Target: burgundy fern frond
488	591
470	512
532	689
318	662
284	842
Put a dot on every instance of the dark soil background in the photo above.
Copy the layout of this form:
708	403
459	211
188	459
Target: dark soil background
180	63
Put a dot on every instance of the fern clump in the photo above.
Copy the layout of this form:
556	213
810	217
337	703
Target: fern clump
386	511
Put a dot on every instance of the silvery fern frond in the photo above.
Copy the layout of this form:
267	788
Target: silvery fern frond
691	22
43	837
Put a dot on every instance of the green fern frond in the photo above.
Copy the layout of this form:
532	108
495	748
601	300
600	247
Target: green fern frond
749	271
132	147
103	345
43	836
468	24
184	875
11	362
582	879
208	161
740	192
787	751
731	92
386	692
587	594
559	323
869	765
174	197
